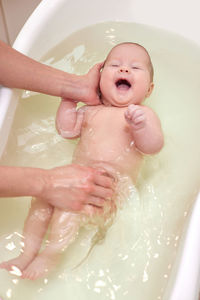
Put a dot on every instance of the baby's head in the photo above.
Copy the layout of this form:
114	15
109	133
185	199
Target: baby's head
127	75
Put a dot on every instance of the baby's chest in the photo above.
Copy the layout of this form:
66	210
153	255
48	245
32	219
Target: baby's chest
107	124
107	119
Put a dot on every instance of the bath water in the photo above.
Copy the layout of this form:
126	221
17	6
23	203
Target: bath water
136	257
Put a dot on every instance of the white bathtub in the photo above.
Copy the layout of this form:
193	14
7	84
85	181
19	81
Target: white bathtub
51	22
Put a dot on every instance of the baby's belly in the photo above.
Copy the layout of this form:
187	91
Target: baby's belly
113	160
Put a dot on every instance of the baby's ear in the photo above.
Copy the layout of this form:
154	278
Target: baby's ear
151	86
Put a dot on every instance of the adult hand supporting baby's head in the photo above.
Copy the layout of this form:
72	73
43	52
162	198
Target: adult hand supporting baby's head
92	85
84	88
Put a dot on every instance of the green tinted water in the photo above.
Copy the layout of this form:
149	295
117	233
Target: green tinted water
135	259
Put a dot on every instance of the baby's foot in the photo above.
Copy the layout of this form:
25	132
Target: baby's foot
21	262
39	267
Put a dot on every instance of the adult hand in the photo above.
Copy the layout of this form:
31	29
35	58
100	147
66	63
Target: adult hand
84	88
92	79
74	187
20	71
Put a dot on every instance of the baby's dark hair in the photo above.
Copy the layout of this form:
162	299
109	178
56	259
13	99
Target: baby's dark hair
150	65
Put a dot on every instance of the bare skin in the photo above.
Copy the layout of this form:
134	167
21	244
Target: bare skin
83	185
114	136
20	71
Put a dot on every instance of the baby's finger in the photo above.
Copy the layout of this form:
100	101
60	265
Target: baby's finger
132	110
137	113
132	107
139	119
127	114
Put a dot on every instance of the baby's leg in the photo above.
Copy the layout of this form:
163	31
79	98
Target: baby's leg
35	227
64	228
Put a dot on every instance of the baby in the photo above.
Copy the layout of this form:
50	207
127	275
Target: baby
114	136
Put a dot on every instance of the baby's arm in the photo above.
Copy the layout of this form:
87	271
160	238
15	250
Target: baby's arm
145	127
69	119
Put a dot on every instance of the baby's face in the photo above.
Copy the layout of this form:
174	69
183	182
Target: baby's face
125	78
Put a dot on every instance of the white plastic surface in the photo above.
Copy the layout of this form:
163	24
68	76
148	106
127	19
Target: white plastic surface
52	21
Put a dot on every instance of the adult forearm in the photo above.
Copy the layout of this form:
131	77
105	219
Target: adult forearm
18	181
20	71
69	187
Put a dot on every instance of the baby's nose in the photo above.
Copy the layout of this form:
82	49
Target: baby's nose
123	70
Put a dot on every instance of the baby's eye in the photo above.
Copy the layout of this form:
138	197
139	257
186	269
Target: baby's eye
135	68
114	65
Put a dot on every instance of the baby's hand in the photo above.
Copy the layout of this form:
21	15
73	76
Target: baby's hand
135	116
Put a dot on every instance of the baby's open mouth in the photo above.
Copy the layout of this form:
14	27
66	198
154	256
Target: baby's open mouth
123	84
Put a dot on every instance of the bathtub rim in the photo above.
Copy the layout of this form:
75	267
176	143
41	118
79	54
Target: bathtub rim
189	246
24	46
